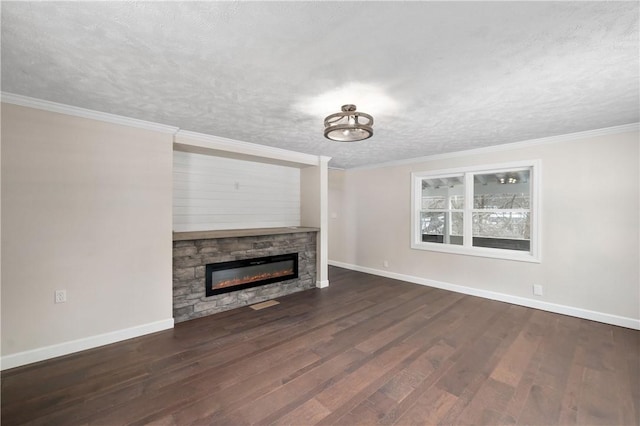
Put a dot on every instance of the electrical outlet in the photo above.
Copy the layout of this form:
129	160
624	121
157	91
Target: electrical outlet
537	290
385	264
60	296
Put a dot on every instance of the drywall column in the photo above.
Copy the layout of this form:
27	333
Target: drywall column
314	204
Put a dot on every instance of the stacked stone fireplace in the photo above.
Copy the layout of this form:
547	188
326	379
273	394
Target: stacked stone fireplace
198	255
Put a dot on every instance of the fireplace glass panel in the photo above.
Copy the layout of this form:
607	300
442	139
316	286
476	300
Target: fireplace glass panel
236	275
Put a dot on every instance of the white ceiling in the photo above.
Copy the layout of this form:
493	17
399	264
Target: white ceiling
437	76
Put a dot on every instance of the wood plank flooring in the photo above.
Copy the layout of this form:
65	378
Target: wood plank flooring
367	350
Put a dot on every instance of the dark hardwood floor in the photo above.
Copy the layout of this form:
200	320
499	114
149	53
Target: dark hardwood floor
366	350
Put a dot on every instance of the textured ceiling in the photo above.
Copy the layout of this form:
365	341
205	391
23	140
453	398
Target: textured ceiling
437	76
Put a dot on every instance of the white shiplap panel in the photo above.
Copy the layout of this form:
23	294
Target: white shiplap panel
227	184
220	173
271	210
215	193
227	219
189	196
234	225
199	199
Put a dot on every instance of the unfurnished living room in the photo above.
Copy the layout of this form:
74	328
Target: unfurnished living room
320	212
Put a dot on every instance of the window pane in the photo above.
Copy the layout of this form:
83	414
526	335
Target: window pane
506	190
440	203
434	202
432	223
437	191
441	227
457	228
508	230
457	202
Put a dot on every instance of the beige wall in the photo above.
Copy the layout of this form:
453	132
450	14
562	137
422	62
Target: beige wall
86	207
590	226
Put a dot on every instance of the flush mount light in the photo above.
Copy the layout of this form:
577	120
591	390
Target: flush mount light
348	125
504	179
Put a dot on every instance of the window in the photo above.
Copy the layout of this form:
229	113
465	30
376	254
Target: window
490	211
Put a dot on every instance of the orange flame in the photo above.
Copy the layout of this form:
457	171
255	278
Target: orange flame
253	278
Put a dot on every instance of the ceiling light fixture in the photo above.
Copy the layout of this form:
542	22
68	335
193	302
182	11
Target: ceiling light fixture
348	125
506	179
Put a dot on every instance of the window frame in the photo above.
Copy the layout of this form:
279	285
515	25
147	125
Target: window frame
535	209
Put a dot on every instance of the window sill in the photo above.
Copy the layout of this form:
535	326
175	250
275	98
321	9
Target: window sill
478	251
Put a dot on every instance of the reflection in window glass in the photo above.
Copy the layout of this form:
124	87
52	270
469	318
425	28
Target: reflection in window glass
432	223
506	199
457	228
440	203
501	225
439	220
502	190
457	202
442	227
434	202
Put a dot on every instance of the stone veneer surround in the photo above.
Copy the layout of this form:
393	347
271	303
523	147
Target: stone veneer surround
191	255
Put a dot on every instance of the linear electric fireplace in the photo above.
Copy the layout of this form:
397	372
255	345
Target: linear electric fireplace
225	277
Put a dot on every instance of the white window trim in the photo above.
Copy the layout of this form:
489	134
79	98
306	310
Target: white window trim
534	255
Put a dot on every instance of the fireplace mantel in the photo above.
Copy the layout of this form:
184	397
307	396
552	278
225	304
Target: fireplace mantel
231	233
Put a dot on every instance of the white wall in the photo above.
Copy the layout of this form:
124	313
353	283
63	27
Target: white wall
86	207
313	207
214	193
590	229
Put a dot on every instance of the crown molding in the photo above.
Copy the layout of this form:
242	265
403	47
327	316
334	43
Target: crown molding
41	104
183	140
632	127
202	143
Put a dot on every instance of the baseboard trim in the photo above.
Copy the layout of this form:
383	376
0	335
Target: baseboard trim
322	284
66	348
501	297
